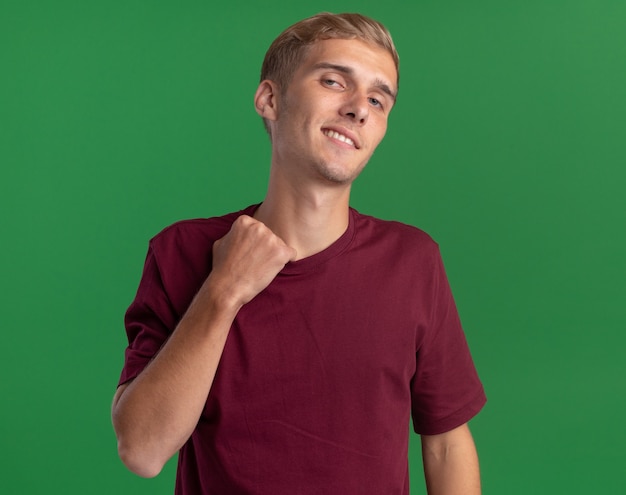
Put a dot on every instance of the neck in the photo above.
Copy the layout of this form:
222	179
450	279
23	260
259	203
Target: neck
307	220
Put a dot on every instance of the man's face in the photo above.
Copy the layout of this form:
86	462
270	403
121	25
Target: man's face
334	111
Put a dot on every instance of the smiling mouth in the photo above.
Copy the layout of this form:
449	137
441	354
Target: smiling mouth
340	137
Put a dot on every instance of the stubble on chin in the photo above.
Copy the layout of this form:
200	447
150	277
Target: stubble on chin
336	174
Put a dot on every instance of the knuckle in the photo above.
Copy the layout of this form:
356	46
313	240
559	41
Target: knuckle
243	221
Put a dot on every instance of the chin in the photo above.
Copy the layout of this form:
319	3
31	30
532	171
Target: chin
339	177
338	174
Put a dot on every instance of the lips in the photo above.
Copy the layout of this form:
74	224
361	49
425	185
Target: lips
342	135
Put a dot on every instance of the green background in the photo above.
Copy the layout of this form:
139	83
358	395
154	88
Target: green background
508	145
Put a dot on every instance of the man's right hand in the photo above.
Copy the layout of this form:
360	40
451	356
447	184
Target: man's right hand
246	260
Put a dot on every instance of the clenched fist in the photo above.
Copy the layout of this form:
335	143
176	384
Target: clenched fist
247	259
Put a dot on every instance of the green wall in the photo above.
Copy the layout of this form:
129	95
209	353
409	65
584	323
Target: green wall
508	145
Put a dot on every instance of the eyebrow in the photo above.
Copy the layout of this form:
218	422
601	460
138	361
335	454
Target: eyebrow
378	83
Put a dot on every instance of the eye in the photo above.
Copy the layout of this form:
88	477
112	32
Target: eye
375	102
333	81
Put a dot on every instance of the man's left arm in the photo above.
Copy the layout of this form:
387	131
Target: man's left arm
451	463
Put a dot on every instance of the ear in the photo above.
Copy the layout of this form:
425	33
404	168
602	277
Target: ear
266	100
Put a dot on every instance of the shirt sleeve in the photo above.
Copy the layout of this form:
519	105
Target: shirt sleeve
446	389
149	320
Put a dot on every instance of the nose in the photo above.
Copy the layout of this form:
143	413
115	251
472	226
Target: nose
356	108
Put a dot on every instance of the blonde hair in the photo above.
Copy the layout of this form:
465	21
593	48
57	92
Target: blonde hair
287	51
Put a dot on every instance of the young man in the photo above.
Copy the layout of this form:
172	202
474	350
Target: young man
282	349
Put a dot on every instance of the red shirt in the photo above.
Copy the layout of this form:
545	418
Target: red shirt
323	370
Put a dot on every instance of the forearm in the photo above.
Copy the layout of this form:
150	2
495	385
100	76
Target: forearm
451	463
155	414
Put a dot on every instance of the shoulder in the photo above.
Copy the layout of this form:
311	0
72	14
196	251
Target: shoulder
196	234
395	245
394	235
